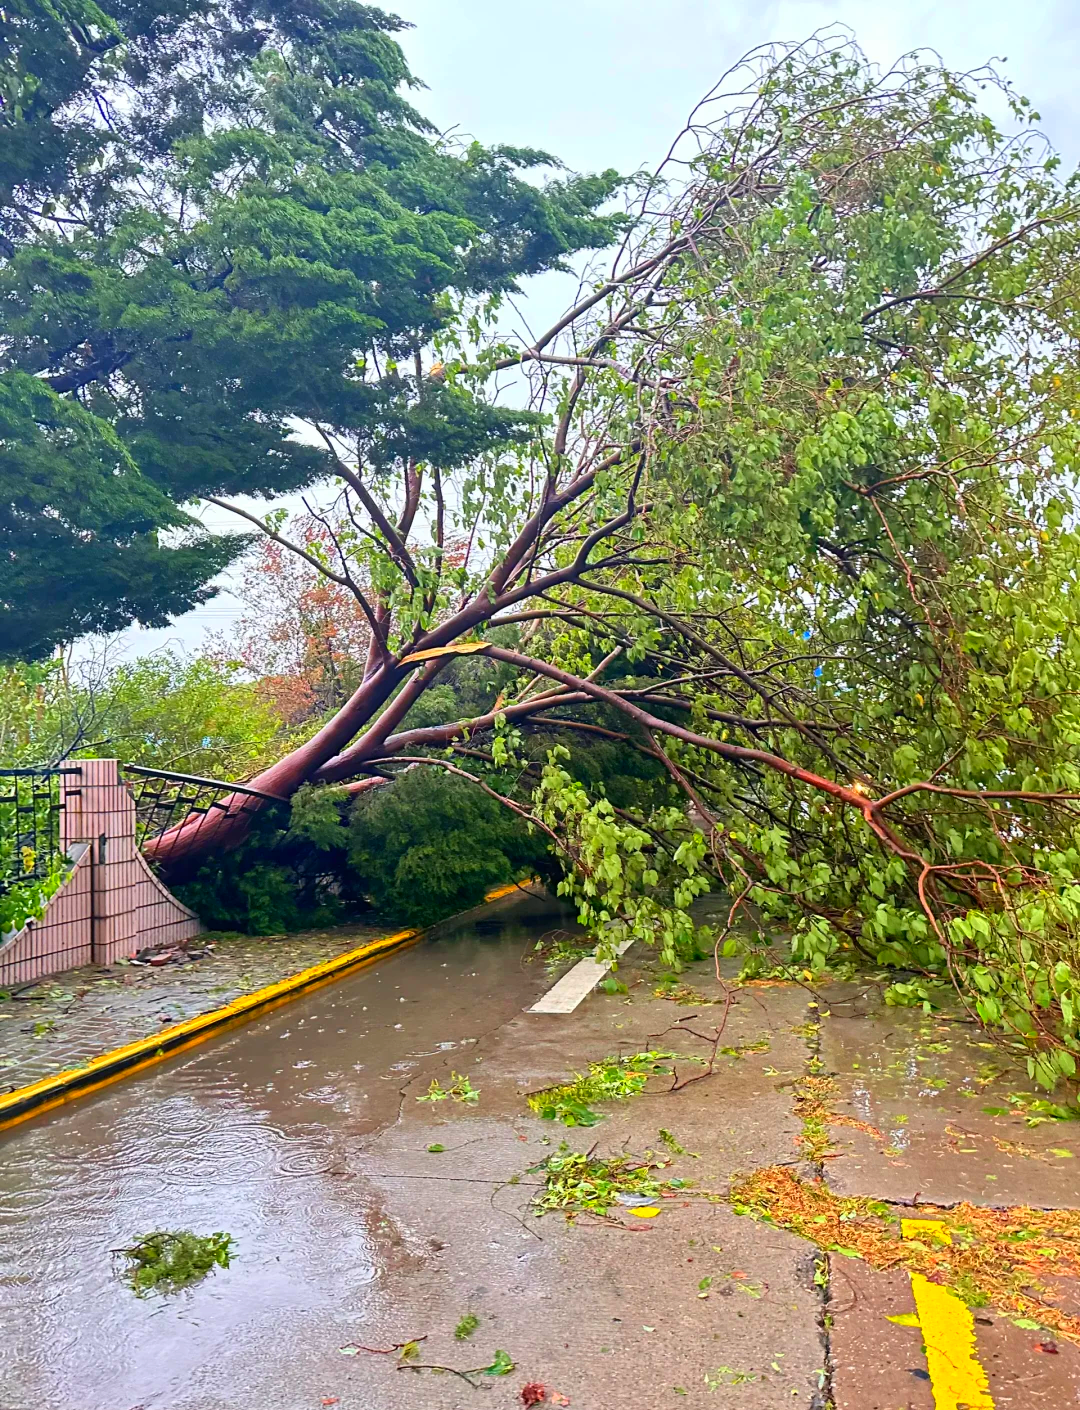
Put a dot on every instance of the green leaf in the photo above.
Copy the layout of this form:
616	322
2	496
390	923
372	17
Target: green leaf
500	1366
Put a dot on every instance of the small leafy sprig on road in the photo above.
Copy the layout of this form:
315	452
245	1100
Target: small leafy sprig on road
609	1080
577	1183
459	1090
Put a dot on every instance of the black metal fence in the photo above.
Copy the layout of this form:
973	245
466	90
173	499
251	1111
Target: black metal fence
31	802
164	801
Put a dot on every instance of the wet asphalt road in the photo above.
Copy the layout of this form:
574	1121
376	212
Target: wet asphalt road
301	1135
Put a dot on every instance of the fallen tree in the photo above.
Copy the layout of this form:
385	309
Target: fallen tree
797	524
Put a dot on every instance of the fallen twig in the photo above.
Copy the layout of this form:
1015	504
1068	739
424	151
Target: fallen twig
389	1350
713	1039
453	1371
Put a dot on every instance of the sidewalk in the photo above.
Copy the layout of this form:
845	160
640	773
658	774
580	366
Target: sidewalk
69	1018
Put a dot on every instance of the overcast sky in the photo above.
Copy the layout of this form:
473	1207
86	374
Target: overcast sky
607	83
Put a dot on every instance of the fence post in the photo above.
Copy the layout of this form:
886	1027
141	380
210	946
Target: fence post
99	810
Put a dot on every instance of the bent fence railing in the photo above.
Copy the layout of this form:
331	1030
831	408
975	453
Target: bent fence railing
32	802
111	827
165	800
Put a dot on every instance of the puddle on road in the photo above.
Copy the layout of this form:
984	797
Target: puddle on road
259	1134
264	1133
952	1107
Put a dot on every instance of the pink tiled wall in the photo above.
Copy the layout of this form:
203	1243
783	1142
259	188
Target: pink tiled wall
111	904
160	919
60	939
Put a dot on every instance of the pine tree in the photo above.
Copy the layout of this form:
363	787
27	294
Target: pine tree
217	220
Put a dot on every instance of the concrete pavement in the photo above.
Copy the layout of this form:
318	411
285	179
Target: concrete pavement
303	1135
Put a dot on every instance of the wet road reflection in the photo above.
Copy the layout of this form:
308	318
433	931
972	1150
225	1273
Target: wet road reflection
258	1133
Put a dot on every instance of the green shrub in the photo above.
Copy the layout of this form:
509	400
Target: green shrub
430	844
27	899
291	873
28	877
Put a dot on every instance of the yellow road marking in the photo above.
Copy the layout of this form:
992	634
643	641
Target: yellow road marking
33	1100
956	1378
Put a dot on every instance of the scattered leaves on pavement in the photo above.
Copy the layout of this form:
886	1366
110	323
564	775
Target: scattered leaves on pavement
577	1183
459	1090
997	1256
466	1326
813	1094
610	1080
502	1365
727	1376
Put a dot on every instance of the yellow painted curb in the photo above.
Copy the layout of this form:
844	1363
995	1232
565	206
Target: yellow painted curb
62	1087
957	1380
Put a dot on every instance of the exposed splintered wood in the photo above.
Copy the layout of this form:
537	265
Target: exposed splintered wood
578	982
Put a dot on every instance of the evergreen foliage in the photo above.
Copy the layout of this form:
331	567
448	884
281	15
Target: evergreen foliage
215	221
79	528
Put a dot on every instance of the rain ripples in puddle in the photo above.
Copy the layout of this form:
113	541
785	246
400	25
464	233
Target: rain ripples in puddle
260	1134
69	1321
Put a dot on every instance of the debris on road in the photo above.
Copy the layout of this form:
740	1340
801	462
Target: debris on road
170	1259
612	1079
995	1256
173	954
